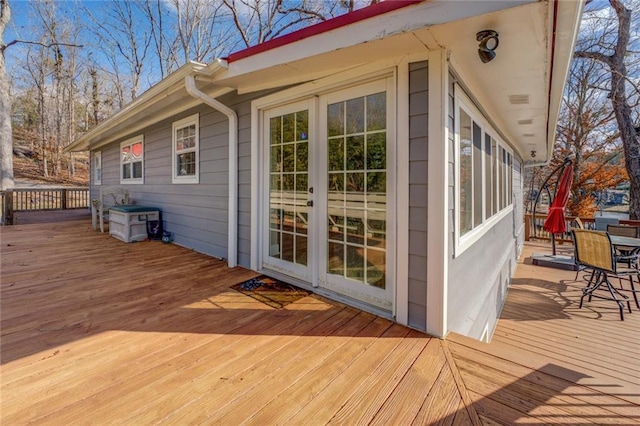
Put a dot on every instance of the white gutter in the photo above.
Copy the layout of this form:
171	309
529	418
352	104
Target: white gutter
232	242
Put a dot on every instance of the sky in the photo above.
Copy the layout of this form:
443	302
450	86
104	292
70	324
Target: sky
25	25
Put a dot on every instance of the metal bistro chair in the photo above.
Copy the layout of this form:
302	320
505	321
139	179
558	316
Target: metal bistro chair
628	256
579	225
593	249
601	223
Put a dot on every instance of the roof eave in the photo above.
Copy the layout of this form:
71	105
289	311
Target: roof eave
171	83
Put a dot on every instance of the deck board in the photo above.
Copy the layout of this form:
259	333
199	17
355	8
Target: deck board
440	404
374	392
419	380
98	331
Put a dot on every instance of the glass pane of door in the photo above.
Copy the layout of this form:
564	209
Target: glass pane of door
356	189
288	187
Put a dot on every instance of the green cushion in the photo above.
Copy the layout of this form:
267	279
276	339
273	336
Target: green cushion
130	208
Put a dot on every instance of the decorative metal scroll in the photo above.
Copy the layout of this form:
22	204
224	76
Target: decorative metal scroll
546	187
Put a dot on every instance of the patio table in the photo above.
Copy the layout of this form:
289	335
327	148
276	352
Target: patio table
625	241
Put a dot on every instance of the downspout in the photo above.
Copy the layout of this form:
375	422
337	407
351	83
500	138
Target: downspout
232	242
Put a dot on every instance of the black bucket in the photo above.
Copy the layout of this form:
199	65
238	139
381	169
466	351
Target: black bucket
154	229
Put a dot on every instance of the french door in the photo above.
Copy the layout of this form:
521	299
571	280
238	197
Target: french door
288	208
327	174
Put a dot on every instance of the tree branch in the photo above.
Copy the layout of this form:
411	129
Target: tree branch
597	56
47	45
236	21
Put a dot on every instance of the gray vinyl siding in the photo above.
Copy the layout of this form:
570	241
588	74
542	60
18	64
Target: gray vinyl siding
244	184
195	214
478	280
418	166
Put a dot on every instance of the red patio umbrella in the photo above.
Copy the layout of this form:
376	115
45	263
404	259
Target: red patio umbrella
556	223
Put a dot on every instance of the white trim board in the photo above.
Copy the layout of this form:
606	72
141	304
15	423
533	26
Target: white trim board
438	204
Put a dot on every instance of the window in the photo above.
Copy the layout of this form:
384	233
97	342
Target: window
186	140
489	175
495	206
131	160
465	173
471	173
484	172
97	168
357	188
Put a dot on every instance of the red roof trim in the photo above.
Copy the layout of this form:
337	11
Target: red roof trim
322	27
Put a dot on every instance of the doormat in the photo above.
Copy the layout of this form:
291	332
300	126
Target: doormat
270	291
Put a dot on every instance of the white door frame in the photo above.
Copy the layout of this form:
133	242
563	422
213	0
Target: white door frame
384	70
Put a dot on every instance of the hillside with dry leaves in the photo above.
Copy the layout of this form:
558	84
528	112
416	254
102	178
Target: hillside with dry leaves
28	166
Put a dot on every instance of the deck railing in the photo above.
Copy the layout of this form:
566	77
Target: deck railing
40	199
533	227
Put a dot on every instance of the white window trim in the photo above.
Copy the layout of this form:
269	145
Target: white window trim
463	242
132	181
97	160
187	121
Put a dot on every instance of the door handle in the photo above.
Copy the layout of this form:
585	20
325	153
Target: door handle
310	203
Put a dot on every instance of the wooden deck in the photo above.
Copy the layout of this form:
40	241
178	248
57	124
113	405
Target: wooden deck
95	331
550	362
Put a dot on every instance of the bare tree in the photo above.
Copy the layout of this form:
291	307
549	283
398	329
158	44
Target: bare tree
186	30
610	44
199	31
54	74
124	41
6	140
257	21
50	68
95	94
37	67
47	13
165	53
587	133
